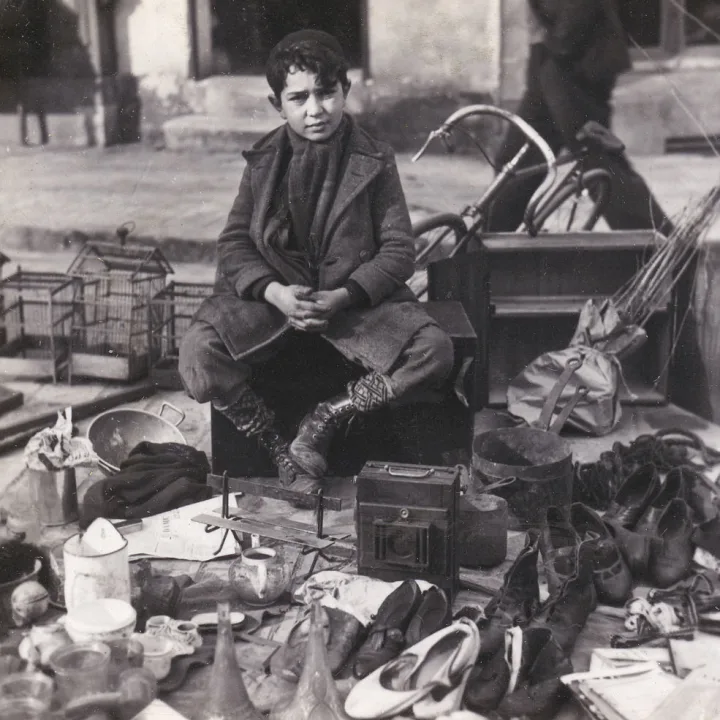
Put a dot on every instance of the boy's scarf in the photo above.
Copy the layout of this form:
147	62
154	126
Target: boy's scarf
313	178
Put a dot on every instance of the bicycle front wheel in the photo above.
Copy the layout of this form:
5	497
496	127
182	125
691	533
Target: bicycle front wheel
435	238
577	205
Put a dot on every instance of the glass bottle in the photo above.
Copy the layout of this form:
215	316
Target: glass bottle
316	697
227	695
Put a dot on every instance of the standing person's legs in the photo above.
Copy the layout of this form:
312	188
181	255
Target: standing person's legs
507	211
572	103
210	374
425	363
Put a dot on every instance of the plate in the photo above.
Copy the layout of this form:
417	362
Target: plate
209	620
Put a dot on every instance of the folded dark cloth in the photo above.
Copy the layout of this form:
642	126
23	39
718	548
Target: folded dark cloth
155	478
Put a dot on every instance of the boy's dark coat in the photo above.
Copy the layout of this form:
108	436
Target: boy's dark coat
367	238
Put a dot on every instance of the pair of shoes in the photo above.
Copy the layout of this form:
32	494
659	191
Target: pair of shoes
405	617
429	677
645	507
559	541
341	631
523	678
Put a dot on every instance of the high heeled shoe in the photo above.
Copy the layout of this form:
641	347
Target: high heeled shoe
430	677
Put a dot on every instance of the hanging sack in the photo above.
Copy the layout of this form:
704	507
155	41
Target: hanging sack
564	373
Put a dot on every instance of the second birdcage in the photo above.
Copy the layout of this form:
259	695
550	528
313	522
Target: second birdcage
117	282
171	312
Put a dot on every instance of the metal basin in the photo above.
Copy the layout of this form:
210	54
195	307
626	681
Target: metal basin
115	433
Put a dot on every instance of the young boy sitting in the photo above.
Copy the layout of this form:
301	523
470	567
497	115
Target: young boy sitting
318	241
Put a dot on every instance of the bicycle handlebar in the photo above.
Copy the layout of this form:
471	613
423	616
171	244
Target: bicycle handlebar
444	130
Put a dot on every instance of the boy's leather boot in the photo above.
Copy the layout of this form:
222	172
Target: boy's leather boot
310	447
253	418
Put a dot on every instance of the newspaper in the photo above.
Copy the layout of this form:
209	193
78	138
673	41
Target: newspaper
174	535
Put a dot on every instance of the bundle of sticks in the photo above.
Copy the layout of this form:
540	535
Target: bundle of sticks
651	286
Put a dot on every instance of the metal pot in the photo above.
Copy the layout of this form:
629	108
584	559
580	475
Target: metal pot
115	433
531	467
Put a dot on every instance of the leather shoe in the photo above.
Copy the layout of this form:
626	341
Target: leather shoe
566	614
487	683
700	495
432	615
637	549
341	634
673	556
611	575
558	544
386	634
515	602
633	496
535	689
673	487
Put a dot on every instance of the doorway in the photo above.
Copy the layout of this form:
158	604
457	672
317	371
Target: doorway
244	32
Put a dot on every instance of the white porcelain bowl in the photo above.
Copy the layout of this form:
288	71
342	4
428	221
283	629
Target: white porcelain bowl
100	620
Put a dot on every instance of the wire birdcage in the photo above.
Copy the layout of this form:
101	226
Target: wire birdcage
110	340
171	312
38	311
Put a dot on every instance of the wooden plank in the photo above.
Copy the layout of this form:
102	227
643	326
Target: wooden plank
269	487
258	528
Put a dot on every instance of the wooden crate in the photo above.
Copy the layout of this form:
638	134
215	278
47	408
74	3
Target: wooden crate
537	288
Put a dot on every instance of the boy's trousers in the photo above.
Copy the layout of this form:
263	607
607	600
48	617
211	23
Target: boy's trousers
209	372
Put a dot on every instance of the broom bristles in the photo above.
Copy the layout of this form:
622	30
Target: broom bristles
638	298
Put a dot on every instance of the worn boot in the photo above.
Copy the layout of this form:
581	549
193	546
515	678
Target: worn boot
253	418
310	447
515	602
536	663
558	546
567	613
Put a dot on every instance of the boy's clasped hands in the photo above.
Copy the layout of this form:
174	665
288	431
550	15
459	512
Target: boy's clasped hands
307	309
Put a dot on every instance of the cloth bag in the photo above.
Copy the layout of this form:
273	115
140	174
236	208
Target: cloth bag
584	371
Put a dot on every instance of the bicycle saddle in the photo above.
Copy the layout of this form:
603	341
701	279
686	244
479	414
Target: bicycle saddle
597	137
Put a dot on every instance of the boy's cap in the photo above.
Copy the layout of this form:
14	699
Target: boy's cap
308	35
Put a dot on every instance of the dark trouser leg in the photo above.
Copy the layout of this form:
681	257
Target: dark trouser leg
210	374
557	105
425	363
632	205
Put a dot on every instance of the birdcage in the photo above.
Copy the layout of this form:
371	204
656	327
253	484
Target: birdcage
3	260
110	339
37	314
171	312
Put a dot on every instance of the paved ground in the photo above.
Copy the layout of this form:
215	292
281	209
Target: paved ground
50	198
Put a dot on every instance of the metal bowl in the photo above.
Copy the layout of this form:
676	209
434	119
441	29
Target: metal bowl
115	433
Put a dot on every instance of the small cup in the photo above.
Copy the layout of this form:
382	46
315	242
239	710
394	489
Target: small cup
81	669
158	625
27	686
158	654
187	634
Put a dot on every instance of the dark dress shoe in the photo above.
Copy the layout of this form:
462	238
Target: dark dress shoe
707	536
558	545
672	557
515	602
673	487
538	691
487	683
566	614
633	497
386	633
635	548
611	575
432	615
